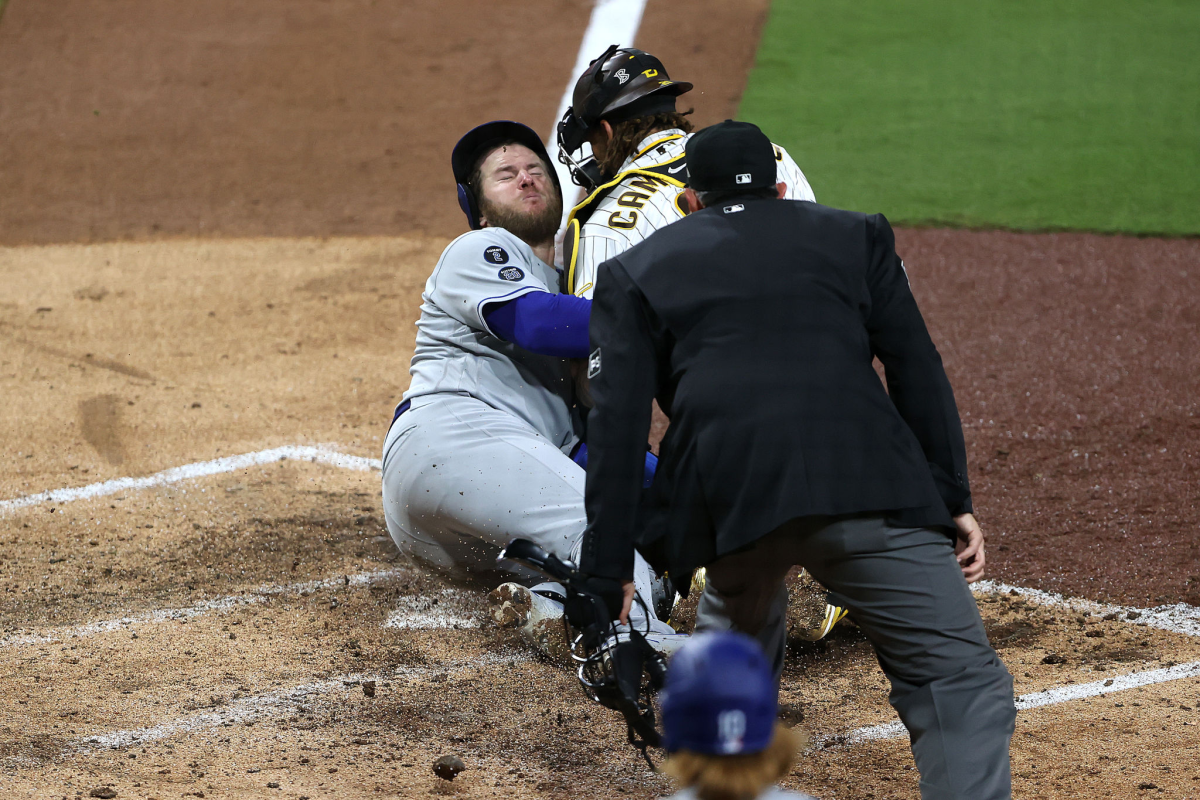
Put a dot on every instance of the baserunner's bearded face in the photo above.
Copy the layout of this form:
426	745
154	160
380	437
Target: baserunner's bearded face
518	194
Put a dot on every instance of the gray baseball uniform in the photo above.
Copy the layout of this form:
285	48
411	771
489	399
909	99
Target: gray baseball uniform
482	455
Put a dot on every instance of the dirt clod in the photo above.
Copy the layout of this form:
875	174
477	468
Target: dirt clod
509	608
1054	658
368	688
104	792
448	767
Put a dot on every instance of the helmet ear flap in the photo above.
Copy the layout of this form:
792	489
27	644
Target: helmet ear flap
469	206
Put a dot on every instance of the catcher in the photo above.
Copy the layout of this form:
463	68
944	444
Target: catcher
624	107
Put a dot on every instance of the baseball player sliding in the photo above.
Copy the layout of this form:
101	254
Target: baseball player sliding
623	106
479	449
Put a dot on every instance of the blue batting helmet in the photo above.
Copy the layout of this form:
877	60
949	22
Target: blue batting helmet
720	696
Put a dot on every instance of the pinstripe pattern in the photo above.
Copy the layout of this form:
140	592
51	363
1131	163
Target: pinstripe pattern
613	227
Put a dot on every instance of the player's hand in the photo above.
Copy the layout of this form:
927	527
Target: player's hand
969	549
627	602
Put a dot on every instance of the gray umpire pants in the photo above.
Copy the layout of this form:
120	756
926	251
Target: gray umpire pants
906	592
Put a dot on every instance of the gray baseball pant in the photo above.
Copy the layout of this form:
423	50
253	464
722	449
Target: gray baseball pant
906	591
462	479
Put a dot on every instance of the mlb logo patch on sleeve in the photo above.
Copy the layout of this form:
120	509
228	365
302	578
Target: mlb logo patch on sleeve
511	274
594	364
496	254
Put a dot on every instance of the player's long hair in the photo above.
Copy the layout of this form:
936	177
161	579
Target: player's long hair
740	777
629	134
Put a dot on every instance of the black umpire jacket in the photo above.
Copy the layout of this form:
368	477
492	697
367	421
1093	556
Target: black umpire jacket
754	324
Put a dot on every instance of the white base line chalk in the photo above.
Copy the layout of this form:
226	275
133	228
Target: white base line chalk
279	703
218	604
612	22
319	455
1050	697
1177	618
446	610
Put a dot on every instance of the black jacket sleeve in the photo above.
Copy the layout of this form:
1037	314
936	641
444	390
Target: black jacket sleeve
916	379
622	368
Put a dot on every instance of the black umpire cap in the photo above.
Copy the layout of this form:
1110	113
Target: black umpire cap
730	155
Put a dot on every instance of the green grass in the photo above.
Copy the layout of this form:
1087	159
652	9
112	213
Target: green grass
1059	114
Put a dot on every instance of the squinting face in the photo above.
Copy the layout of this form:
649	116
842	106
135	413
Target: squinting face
517	192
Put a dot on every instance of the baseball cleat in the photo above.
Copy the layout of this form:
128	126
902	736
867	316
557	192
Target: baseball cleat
534	615
833	615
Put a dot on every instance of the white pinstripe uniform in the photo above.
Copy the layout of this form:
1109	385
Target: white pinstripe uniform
646	195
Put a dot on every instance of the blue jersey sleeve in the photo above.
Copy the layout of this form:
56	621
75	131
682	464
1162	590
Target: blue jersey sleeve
480	269
579	456
541	322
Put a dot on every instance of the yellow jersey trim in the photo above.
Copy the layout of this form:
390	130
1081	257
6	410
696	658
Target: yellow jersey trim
572	234
603	189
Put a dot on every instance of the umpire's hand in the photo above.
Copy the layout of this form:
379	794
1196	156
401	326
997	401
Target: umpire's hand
969	548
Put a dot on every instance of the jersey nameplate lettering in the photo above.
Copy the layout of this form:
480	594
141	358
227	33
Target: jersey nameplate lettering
641	188
497	255
511	273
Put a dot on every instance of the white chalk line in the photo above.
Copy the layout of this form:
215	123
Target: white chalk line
443	611
1177	618
1049	697
420	613
275	704
320	455
611	22
448	609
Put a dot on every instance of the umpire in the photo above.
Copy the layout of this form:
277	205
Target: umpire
754	322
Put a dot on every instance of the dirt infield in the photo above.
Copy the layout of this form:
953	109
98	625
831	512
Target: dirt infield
149	119
218	636
292	558
1074	368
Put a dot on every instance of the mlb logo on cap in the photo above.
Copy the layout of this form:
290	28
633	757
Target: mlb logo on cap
730	156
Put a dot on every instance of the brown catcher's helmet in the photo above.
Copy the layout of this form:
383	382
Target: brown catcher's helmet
623	83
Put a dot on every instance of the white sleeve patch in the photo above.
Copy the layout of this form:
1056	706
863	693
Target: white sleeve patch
594	364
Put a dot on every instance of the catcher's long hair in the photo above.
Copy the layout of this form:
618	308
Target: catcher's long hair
629	134
740	777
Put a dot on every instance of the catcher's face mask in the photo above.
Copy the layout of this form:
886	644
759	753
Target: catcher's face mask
617	669
623	83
